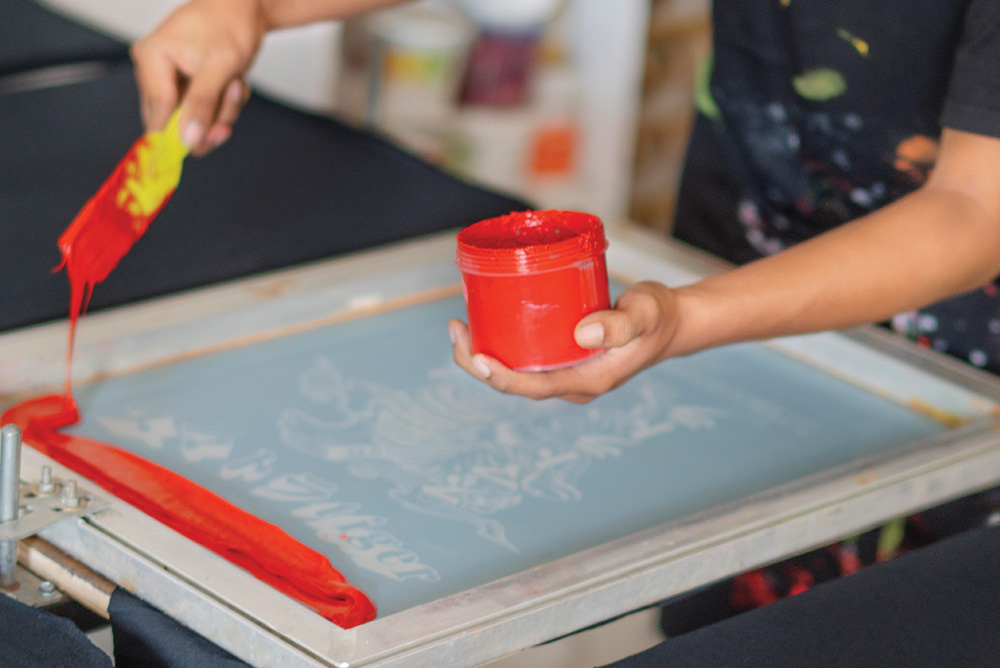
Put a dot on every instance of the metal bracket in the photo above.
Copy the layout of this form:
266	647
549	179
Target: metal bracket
37	510
26	509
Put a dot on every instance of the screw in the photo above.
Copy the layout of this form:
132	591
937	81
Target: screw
46	588
69	497
45	485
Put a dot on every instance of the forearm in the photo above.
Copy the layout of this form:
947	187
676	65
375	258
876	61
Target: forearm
932	244
287	13
941	240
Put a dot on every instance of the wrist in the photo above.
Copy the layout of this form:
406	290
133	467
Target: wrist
287	13
696	329
270	14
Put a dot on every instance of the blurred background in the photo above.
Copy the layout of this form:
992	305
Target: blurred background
576	104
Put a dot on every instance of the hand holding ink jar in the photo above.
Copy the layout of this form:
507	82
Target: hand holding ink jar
528	278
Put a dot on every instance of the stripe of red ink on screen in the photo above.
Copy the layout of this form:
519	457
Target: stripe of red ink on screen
101	234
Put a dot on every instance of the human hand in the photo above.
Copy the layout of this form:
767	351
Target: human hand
197	59
635	334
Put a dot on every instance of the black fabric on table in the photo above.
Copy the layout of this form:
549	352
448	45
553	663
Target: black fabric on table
32	37
936	606
32	638
144	637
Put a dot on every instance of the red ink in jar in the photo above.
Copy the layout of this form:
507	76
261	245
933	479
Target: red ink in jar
528	278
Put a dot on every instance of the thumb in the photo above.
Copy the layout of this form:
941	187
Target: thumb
605	329
156	77
638	310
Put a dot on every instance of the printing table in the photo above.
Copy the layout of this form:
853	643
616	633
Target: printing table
324	399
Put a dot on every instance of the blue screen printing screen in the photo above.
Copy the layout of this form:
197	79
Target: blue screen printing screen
366	442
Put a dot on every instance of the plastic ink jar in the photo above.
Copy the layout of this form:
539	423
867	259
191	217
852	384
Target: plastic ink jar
528	278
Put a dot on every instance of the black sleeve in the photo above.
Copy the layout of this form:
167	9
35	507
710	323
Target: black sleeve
973	101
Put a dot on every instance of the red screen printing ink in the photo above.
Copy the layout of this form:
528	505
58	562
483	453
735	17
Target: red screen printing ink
101	234
261	548
528	278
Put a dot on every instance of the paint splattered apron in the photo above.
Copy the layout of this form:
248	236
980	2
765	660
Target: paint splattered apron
812	113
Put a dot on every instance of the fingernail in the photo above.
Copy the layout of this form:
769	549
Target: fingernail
481	366
217	136
451	334
590	336
193	132
235	91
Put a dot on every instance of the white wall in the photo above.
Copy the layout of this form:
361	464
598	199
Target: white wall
609	42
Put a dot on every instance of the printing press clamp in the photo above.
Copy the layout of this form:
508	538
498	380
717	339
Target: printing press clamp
25	510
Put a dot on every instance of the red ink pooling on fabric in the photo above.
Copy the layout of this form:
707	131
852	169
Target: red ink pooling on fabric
116	217
245	540
528	278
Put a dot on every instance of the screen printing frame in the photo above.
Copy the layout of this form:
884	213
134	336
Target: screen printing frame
265	628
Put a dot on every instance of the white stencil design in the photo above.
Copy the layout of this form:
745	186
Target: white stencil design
360	537
467	454
152	430
296	487
308	496
197	445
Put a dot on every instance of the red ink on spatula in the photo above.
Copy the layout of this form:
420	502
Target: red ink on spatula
116	217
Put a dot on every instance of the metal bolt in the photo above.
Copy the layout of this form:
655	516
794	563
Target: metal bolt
46	588
10	472
69	497
10	500
45	485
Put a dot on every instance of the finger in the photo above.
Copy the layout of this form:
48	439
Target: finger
614	328
461	346
455	330
506	380
233	99
607	329
570	384
203	100
156	78
563	383
579	399
236	95
483	367
637	312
